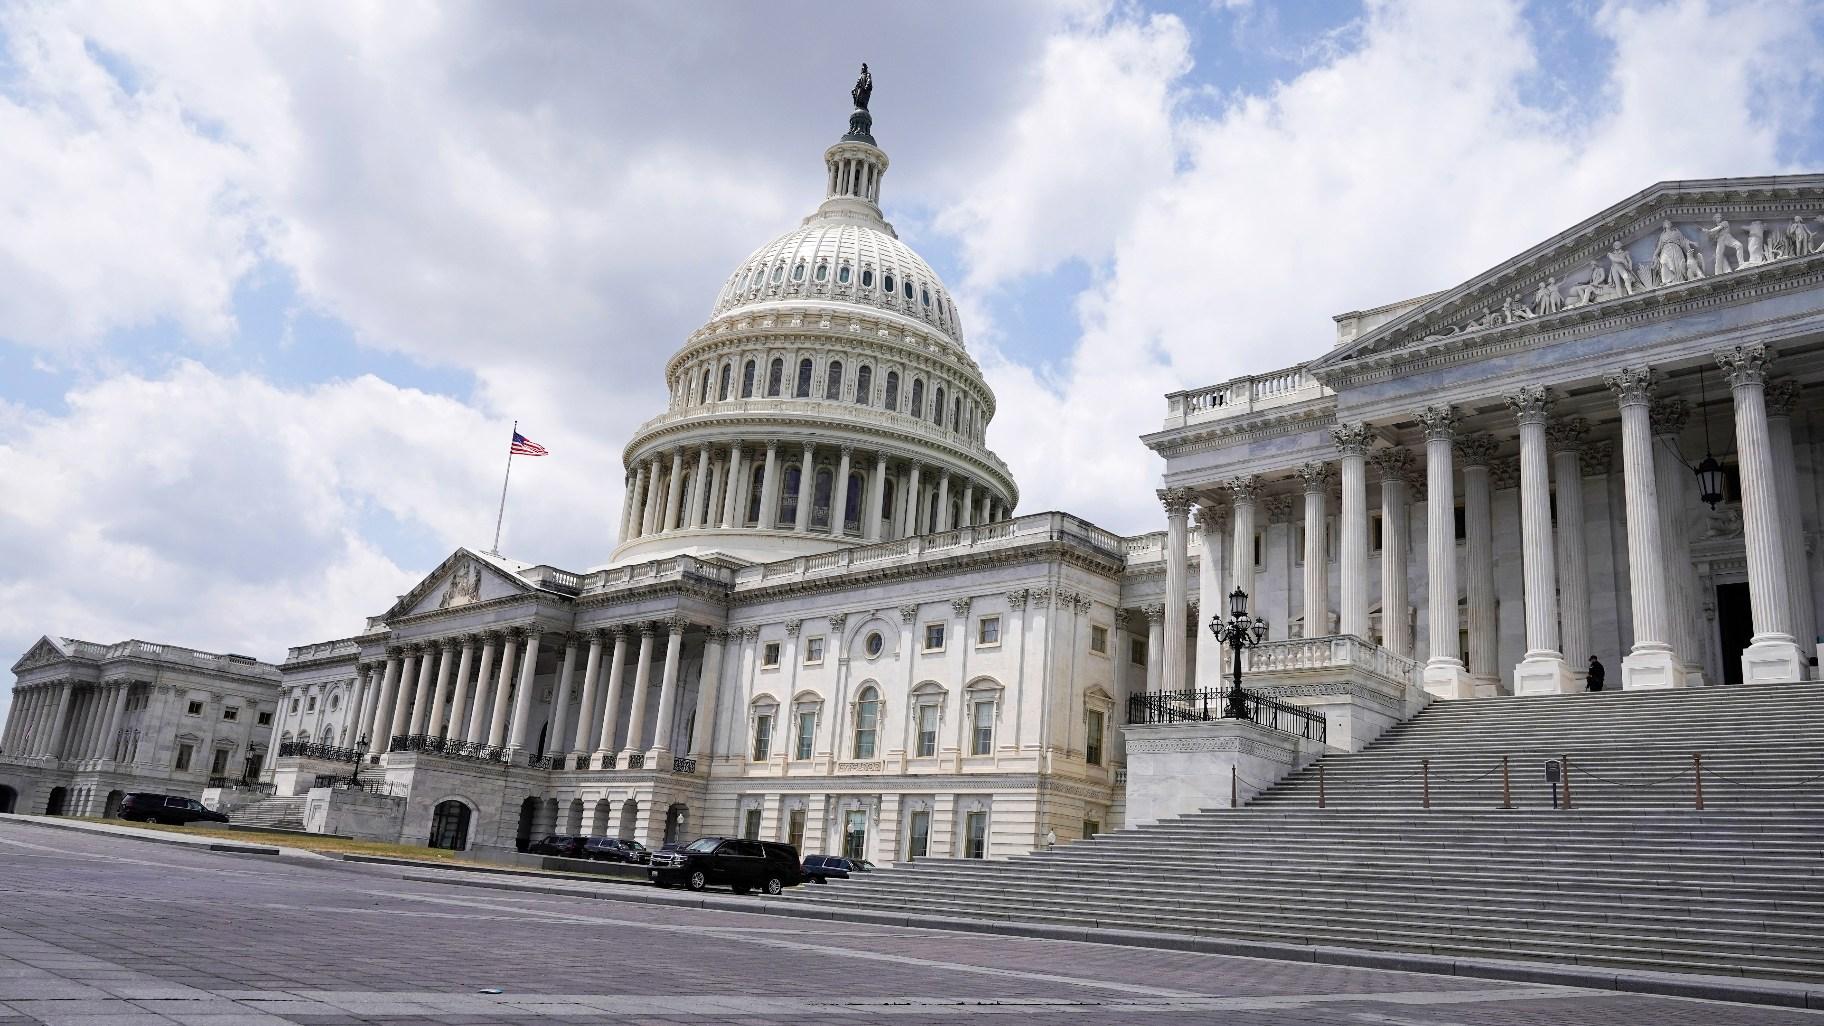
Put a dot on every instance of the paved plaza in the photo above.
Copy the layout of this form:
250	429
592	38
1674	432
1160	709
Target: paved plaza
111	930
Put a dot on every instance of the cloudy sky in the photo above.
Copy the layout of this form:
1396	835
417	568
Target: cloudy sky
275	279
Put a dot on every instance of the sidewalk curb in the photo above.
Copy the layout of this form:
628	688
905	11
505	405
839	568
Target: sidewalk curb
153	836
1739	990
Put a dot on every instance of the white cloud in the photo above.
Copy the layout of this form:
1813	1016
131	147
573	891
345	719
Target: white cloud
1405	164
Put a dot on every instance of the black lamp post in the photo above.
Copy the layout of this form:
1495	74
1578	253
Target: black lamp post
1709	472
1238	633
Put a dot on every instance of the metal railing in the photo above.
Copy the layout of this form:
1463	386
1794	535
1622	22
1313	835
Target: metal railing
681	764
1205	704
448	747
239	784
316	750
379	787
636	761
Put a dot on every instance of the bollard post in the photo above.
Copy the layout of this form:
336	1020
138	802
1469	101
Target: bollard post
1565	761
1320	785
1234	789
1697	776
1507	793
1425	781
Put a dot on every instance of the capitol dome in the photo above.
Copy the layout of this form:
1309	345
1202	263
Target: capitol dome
828	402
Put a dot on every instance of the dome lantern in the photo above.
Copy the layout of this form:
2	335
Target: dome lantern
856	164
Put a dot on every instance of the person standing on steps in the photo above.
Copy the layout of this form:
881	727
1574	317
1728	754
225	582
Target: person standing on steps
1597	673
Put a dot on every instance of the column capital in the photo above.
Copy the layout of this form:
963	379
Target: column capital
676	625
1532	404
846	450
1745	365
1243	489
772	446
1316	476
1596	458
1633	386
1440	422
1477	450
1352	439
1504	473
1122	617
1567	435
961	607
908	613
1177	502
1016	599
792	627
1782	396
1668	414
838	621
647	629
1155	615
1278	508
1393	463
1212	518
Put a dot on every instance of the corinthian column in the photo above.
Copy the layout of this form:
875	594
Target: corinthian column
556	737
650	509
674	489
603	757
1542	671
383	708
807	475
1566	437
1244	494
1773	652
871	503
697	515
839	494
503	693
1781	397
734	494
522	702
630	516
636	719
1479	563
1177	590
1317	557
1671	478
769	488
1212	534
709	684
477	733
1651	663
402	702
1155	615
586	718
1352	448
1445	676
450	724
668	697
1394	465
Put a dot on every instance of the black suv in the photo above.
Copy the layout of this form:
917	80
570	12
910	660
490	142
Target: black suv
740	864
613	849
566	845
144	807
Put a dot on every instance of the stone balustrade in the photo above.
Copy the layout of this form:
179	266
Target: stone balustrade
1238	396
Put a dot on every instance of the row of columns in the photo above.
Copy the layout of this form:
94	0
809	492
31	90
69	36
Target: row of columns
1663	591
657	500
64	720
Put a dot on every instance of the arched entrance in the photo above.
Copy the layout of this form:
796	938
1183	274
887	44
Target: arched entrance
528	810
9	798
54	805
573	819
677	819
450	825
630	818
111	808
604	815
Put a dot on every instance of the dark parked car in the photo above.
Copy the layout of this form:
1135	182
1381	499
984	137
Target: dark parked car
824	868
568	846
613	849
737	863
861	866
145	807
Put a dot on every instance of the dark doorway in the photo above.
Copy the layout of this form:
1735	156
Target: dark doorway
8	798
676	818
1734	627
528	810
450	825
60	796
111	810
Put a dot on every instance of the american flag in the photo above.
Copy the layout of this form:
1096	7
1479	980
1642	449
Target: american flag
523	446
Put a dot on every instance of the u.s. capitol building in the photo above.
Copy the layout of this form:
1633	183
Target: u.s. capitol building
824	621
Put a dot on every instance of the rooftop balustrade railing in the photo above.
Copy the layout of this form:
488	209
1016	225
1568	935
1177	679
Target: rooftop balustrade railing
1208	704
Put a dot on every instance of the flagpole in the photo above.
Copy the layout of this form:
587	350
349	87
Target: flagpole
495	551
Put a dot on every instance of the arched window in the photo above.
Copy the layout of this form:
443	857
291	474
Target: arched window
788	496
842	275
851	505
937	407
956	415
778	273
888	494
703	396
820	499
888	282
832	386
803	391
867	722
798	271
917	407
747	380
924	296
775	376
728	370
754	489
450	825
931	518
867	277
908	286
823	271
892	402
864	385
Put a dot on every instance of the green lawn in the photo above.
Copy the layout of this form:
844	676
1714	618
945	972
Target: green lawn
308	842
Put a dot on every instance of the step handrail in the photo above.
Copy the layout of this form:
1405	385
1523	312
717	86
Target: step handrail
1203	705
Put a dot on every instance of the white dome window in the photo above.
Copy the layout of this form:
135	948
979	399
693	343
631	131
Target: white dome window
842	275
867	277
823	272
888	281
908	289
798	271
778	273
864	385
925	296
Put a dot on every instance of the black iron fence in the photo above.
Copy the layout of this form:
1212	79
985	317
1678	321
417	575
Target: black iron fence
239	784
1197	706
354	784
681	764
448	747
314	750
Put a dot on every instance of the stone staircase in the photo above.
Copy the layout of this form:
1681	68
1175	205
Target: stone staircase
273	814
1632	875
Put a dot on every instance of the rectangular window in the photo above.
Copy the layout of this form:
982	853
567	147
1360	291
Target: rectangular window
1259	550
975	835
1092	737
218	765
794	829
231	713
750	825
918	841
763	737
310	704
1098	639
769	654
294	706
1136	651
813	651
265	719
193	709
1091	828
988	630
855	835
1462	524
934	637
1376	524
927	731
807	734
1298	545
983	733
184	752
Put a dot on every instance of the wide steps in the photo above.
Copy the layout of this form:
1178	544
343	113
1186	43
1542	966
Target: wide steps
282	813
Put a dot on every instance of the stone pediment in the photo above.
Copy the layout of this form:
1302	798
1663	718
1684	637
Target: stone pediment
1670	241
465	578
47	650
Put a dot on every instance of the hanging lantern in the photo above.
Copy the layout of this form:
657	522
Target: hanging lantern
1238	604
1710	480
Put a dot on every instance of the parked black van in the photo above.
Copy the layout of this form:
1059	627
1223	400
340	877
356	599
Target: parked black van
736	863
146	807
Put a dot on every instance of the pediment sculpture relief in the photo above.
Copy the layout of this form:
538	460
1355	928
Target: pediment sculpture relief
464	586
1675	255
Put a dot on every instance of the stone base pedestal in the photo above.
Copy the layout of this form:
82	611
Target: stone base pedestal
1179	768
1446	678
1544	675
1650	668
1770	658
